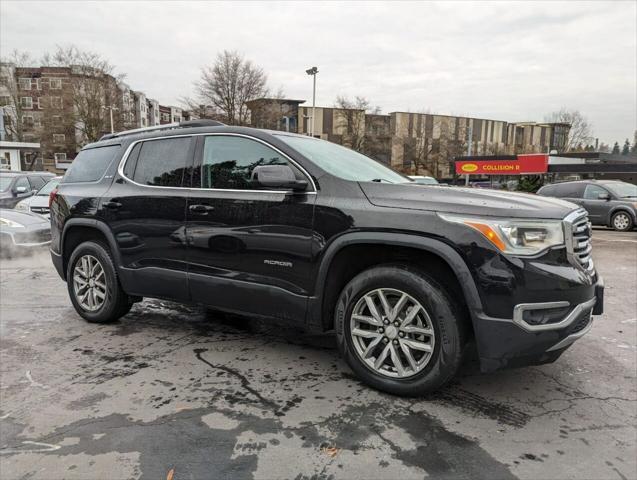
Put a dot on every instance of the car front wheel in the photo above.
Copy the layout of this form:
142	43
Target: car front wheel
621	221
399	331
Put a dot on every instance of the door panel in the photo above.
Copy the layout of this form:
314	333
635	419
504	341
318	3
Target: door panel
146	210
248	249
597	208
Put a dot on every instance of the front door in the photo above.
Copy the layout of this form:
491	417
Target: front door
249	249
596	207
146	211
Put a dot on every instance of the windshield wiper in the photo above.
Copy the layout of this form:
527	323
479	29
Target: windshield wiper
629	196
380	180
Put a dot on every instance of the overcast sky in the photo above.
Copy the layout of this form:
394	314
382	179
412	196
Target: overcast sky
507	61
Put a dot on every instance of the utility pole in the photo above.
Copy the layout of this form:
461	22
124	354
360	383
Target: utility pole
469	150
110	109
313	71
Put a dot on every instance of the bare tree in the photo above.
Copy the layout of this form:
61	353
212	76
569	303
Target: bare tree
93	87
228	84
580	133
12	107
352	113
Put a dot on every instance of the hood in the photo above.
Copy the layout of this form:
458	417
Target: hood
22	218
470	201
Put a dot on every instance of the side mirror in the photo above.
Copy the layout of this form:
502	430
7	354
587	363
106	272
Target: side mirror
603	196
21	190
276	176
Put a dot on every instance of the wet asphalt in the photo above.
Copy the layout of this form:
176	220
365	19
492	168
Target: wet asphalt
177	392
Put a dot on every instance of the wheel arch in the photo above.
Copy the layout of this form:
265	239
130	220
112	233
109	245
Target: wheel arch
334	273
78	230
620	208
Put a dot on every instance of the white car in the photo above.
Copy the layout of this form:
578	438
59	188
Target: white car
39	203
424	180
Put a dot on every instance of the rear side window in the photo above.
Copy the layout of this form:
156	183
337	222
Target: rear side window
547	191
569	190
36	183
161	163
90	165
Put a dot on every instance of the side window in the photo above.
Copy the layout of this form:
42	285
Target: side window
163	162
131	161
228	162
570	190
36	183
22	182
593	192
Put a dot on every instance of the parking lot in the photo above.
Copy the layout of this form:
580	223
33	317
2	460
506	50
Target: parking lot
176	392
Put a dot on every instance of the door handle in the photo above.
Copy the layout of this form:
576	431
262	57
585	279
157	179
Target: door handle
112	205
201	209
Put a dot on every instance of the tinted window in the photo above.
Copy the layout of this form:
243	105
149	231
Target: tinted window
90	164
228	162
162	162
593	192
36	183
569	190
547	191
5	182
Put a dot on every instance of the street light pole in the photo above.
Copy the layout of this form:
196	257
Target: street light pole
313	71
469	150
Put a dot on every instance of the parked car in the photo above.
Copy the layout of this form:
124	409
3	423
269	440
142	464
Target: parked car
424	180
608	202
22	231
16	186
39	203
303	230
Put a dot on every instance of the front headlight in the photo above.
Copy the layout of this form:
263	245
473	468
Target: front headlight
22	207
5	222
516	236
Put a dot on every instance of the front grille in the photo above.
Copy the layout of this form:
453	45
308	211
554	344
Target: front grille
578	241
40	210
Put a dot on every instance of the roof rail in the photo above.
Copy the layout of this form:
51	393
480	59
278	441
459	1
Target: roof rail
168	126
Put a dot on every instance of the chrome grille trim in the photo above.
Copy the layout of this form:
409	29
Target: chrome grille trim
577	234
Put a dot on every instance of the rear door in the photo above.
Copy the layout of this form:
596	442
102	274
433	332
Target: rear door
249	248
573	192
145	209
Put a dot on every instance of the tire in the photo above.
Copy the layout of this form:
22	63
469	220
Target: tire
115	302
621	221
440	315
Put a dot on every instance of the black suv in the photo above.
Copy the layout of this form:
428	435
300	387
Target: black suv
16	186
608	202
303	230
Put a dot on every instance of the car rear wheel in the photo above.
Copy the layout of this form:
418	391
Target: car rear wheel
399	331
93	284
621	221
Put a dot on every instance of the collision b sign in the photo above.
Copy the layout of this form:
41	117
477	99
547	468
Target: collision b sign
524	164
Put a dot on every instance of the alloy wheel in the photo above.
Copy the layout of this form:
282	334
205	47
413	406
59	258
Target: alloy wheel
89	283
392	333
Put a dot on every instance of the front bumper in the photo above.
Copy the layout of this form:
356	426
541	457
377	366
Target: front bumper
523	340
16	242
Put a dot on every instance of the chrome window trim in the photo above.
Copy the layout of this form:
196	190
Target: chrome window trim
122	163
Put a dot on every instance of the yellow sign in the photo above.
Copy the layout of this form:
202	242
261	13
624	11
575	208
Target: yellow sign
469	167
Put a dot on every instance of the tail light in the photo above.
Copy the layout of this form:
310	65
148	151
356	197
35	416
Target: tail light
52	195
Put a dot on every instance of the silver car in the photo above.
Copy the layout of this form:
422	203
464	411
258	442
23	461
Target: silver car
21	232
39	203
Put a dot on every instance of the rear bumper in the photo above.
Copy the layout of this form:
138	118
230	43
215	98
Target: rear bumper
515	342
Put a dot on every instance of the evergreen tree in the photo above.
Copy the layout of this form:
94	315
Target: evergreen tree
626	148
615	149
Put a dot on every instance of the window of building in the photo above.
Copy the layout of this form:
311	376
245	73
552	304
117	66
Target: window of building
27	120
36	82
161	162
56	102
59	138
59	157
593	192
55	83
24	83
26	102
228	162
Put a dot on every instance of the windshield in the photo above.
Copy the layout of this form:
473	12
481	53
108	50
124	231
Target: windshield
5	182
46	189
425	180
343	162
623	190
